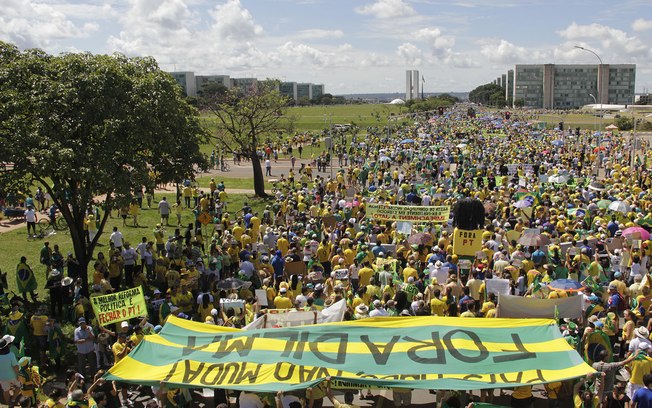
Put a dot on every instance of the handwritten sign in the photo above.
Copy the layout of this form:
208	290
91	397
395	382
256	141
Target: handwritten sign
119	306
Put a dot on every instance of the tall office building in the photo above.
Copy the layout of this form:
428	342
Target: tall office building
412	85
509	90
552	86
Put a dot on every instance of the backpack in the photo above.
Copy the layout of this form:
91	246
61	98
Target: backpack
621	303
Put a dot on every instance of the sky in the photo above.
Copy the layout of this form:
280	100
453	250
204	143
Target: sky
350	46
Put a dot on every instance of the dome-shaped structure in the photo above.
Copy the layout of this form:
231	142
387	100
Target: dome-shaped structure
397	101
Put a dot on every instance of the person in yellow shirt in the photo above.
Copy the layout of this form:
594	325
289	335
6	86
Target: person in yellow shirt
364	274
38	323
437	306
410	271
283	244
282	301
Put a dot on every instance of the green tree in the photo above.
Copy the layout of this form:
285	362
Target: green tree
246	119
91	129
488	94
624	123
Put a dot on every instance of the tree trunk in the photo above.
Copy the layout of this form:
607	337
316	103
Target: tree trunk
79	245
259	179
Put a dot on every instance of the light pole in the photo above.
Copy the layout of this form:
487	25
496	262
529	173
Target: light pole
595	102
600	94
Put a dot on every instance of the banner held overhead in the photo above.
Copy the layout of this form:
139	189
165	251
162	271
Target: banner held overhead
418	352
408	213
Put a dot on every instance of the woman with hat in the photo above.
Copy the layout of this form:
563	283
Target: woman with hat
8	368
30	379
16	326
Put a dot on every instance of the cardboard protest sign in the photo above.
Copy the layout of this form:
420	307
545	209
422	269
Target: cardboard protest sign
467	243
522	307
614	243
119	306
295	268
329	221
341	274
417	352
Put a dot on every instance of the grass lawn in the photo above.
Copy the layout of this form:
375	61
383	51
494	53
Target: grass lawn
15	243
318	118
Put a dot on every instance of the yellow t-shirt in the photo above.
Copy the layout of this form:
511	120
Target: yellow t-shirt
118	348
437	307
38	323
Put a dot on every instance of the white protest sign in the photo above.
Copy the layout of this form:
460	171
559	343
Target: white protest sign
233	303
341	273
497	286
261	295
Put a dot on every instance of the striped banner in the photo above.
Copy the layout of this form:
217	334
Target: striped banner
415	352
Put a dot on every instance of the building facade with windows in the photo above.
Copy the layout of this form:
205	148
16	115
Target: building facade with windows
553	86
192	85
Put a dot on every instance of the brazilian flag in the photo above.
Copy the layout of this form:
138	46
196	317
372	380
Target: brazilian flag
531	196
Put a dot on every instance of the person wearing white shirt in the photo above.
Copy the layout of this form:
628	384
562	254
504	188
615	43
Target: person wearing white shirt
116	238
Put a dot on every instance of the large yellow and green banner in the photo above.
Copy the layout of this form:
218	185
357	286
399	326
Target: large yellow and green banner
414	214
119	306
413	352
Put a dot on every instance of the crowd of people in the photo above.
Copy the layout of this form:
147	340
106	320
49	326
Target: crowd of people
315	245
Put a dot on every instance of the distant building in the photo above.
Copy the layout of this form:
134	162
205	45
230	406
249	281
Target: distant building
412	85
509	90
245	84
193	84
203	80
552	86
187	81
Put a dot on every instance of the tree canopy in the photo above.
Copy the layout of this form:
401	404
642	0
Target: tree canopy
246	119
431	103
489	94
86	126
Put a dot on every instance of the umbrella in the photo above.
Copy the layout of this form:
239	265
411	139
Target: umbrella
566	284
559	179
603	204
461	145
596	186
595	150
534	240
644	222
407	141
232	283
619	206
524	203
421	238
645	235
558	143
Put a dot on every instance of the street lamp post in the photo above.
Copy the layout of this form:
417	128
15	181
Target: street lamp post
600	94
595	102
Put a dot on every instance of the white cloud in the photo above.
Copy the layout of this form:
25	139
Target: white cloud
642	25
440	44
504	52
410	54
611	38
317	33
386	9
234	22
30	23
